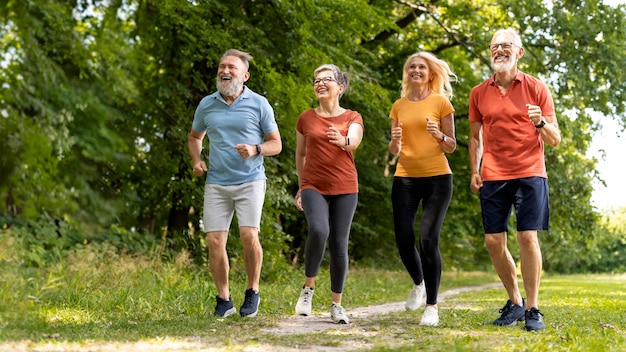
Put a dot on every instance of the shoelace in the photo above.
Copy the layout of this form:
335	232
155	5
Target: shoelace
506	309
339	310
534	314
307	296
248	299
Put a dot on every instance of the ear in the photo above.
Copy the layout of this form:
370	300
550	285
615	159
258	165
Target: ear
246	76
520	53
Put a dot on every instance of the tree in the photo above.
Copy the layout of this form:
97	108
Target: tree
122	80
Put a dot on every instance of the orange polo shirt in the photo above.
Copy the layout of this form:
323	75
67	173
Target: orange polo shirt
512	146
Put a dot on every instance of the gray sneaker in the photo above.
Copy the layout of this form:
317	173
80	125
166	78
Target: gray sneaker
303	307
511	314
224	308
338	314
250	306
533	320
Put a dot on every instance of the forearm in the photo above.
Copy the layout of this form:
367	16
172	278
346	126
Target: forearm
195	148
551	134
475	155
395	146
271	147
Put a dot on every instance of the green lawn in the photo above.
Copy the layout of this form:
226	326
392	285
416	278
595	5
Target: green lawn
103	301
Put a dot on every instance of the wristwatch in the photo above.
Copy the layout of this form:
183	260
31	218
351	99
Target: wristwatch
443	139
543	123
258	149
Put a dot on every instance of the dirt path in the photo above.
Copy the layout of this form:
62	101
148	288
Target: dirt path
302	325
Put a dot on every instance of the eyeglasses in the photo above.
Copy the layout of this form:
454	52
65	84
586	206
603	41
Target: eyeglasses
505	46
324	80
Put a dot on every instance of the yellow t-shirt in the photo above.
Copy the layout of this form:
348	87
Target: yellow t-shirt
421	155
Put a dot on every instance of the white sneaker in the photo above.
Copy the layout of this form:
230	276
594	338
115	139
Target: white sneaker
338	314
303	307
430	317
416	297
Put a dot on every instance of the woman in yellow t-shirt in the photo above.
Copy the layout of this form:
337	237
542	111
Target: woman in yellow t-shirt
422	131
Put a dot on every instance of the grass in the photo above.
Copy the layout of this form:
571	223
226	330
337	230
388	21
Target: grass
101	301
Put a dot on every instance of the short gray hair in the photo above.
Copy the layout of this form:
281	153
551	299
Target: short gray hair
340	76
510	31
243	56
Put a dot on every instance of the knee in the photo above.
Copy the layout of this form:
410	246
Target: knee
215	241
527	239
249	236
429	244
494	242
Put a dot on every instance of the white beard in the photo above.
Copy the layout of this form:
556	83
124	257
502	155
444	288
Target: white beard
229	88
500	67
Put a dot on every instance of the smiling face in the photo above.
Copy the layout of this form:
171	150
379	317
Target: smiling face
505	52
326	86
231	75
418	72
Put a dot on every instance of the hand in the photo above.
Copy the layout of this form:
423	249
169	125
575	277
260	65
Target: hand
534	113
297	200
246	150
335	137
396	133
476	183
199	168
432	127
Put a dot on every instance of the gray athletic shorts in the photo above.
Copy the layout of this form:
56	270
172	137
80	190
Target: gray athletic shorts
221	202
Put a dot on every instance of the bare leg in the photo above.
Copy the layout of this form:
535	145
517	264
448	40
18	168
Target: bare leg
336	297
309	282
531	265
252	255
218	261
504	264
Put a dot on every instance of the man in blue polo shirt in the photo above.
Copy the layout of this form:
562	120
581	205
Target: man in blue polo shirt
241	129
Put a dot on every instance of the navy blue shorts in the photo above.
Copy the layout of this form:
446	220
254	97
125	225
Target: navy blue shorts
528	196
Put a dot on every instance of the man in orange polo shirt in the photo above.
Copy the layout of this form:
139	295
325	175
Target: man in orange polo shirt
511	117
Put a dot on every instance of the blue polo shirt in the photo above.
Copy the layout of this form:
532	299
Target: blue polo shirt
247	120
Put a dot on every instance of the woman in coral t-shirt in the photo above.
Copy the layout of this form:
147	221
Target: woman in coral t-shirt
327	137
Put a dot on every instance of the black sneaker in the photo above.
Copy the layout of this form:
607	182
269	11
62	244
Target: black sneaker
250	305
224	308
511	313
533	320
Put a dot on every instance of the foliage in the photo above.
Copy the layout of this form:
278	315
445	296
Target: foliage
97	99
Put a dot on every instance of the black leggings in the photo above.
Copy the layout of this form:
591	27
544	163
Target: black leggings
435	193
329	218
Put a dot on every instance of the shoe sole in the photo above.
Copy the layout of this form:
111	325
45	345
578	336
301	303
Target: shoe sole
304	314
227	313
514	323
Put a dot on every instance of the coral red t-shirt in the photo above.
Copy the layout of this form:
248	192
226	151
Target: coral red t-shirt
512	146
327	168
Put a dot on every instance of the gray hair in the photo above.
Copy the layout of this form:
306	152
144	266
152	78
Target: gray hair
243	56
340	76
511	32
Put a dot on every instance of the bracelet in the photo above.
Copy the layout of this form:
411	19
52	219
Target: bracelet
347	143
